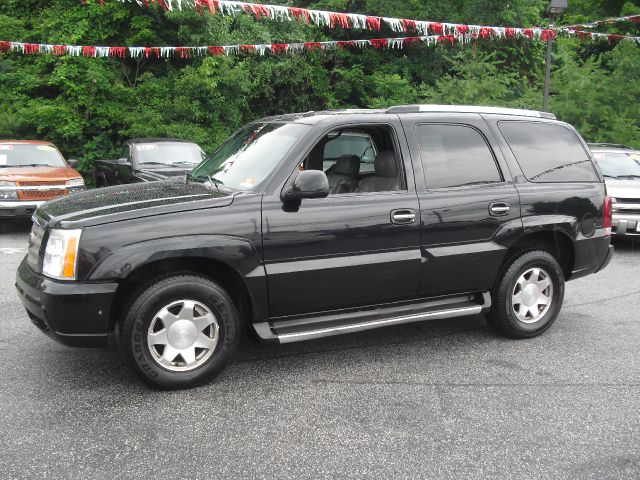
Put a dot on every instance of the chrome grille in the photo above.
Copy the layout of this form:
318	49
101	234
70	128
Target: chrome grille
35	243
627	205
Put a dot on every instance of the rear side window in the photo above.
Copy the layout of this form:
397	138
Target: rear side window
548	152
455	156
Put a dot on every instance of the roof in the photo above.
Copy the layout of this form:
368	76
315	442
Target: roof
313	116
26	142
158	140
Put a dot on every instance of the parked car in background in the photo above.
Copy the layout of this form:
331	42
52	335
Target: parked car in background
32	172
149	160
620	166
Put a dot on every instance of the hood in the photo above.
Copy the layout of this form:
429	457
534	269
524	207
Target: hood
38	174
155	174
136	200
623	188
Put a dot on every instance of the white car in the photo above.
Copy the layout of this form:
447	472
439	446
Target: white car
620	166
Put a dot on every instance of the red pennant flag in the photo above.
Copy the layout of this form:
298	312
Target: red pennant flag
313	46
510	33
278	48
215	51
300	13
527	32
486	32
247	48
184	52
341	19
5	46
152	51
411	40
615	38
409	25
548	35
462	29
374	23
346	43
436	28
379	42
88	51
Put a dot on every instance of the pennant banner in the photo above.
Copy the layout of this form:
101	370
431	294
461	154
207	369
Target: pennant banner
607	21
352	20
276	48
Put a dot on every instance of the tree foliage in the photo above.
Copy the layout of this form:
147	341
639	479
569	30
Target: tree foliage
88	106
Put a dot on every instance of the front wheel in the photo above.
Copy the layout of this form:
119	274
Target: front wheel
179	332
528	297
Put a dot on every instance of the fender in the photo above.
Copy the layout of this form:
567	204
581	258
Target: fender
236	252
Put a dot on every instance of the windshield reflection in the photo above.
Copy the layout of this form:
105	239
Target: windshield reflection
249	156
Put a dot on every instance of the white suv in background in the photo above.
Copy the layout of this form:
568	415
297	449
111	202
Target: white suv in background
620	166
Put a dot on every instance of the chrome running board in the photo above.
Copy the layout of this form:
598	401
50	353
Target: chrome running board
309	328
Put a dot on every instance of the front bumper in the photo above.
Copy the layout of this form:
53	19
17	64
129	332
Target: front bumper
626	224
19	209
73	313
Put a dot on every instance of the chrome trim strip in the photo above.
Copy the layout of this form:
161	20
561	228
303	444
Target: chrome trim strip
358	327
348	260
38	187
21	204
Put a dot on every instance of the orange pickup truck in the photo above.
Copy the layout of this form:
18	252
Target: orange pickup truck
31	173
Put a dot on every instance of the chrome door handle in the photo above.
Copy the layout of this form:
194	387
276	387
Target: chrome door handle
403	217
499	209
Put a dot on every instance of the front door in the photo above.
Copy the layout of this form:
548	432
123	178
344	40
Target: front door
358	247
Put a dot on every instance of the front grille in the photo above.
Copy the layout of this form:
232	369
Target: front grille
35	244
627	205
38	184
40	194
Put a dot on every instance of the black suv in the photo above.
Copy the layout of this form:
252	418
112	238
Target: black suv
308	225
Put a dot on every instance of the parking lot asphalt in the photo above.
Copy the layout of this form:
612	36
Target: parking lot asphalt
442	399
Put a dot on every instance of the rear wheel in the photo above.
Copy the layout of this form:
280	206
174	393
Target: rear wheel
528	297
179	332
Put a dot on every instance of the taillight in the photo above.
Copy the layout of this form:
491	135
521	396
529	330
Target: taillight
608	214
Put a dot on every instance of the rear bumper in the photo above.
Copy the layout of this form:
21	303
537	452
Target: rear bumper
625	224
19	209
591	255
72	313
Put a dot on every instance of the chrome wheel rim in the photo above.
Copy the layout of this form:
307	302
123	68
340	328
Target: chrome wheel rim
532	295
183	335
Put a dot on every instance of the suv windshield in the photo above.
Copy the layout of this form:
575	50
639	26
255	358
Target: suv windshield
249	156
168	153
617	165
27	155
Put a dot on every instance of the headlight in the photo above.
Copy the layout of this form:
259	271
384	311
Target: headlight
8	191
60	256
75	185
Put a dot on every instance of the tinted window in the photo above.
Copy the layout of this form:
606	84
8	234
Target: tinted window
455	155
548	152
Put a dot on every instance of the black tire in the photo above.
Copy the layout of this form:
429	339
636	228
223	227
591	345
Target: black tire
142	311
503	317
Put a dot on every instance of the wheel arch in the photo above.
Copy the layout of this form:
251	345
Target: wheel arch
231	262
556	242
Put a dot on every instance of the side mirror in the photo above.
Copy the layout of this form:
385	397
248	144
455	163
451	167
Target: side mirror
123	161
73	163
308	184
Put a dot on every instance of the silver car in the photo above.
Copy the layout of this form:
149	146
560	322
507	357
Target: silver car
620	166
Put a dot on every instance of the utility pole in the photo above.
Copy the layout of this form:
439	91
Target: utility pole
555	7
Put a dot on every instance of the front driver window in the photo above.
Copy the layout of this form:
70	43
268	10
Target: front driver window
357	160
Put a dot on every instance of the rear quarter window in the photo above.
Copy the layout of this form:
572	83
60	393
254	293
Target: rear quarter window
548	152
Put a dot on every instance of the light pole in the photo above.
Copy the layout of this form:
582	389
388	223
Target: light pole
556	7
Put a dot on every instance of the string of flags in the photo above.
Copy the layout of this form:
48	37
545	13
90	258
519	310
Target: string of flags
201	51
606	21
334	20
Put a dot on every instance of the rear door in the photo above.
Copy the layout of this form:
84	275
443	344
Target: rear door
470	208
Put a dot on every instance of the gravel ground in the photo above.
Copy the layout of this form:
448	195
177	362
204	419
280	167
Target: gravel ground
443	399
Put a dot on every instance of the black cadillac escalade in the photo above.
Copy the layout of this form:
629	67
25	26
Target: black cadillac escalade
308	225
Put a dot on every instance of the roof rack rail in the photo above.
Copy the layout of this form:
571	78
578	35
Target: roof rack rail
609	145
469	109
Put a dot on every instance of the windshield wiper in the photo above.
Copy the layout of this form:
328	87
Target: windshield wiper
155	163
628	176
209	178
